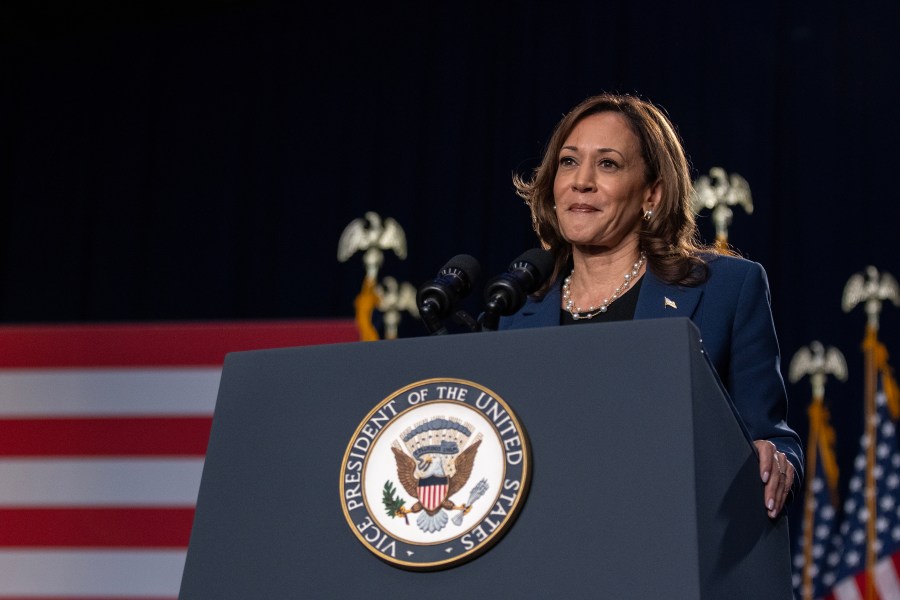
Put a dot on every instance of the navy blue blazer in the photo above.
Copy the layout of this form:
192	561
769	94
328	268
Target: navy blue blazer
733	312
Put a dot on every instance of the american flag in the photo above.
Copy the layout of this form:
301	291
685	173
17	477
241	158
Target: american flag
813	574
103	432
851	573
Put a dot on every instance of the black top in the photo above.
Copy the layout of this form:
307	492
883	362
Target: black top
622	309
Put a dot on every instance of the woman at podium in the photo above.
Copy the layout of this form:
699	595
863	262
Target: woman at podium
612	201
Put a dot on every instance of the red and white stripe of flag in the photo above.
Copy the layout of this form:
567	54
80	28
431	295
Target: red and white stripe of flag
103	432
884	575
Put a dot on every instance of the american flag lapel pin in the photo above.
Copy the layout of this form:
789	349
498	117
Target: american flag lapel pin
669	303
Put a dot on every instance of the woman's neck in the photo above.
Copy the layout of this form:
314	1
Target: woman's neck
598	273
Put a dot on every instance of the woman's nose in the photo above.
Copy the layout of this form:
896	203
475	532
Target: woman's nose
583	182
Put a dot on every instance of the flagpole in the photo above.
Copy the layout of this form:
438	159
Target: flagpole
871	433
372	236
719	191
817	362
809	507
871	291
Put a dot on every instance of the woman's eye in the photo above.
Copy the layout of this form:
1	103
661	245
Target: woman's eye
607	163
566	161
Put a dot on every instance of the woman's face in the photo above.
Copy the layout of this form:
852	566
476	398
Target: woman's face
600	187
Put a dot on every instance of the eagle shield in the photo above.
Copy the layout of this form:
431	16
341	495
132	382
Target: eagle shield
433	492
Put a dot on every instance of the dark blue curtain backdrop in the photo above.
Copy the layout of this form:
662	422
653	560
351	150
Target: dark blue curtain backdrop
200	161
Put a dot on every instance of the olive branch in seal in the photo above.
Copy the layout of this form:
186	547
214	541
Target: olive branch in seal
393	504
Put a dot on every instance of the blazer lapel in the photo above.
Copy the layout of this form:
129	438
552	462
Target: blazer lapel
658	299
544	313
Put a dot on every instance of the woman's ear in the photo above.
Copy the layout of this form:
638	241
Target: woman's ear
653	197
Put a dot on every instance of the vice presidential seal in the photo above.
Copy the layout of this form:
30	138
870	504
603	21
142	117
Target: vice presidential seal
435	474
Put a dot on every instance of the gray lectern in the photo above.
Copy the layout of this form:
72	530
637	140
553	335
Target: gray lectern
643	482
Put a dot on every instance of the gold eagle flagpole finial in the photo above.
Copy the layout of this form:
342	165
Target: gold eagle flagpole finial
818	363
871	291
372	236
718	192
394	298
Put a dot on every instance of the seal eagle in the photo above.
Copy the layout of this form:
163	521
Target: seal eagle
432	475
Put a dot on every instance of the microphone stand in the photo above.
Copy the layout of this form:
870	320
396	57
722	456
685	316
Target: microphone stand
464	318
490	318
434	325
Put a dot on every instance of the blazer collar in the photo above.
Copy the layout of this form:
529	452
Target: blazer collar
656	299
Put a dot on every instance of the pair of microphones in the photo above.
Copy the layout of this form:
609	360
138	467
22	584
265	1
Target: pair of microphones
438	299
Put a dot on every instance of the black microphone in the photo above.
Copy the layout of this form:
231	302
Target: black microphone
507	292
438	298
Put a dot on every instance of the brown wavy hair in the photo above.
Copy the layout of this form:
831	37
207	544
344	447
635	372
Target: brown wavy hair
670	238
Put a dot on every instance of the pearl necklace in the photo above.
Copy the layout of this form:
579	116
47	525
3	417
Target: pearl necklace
592	311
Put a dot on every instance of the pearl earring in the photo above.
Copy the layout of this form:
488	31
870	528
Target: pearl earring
648	214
